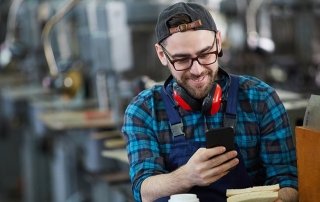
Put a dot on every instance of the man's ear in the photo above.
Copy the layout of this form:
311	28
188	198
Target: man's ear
219	40
161	55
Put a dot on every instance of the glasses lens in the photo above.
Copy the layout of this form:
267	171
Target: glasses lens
203	59
183	64
186	63
208	58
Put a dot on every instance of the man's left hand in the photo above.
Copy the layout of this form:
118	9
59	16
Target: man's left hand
287	194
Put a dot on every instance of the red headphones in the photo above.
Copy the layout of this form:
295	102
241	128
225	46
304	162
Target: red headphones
209	105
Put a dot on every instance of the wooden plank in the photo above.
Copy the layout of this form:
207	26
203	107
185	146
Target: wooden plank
308	160
118	154
65	120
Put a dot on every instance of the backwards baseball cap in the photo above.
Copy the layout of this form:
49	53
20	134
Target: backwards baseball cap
200	17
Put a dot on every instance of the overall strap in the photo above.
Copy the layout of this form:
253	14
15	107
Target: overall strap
230	114
176	124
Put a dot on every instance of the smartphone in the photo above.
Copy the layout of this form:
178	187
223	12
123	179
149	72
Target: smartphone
221	137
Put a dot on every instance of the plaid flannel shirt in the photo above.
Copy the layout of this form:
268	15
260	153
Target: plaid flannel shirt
263	134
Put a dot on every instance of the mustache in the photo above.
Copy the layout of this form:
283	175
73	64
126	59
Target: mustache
194	77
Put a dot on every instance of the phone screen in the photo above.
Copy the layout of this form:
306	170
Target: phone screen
221	137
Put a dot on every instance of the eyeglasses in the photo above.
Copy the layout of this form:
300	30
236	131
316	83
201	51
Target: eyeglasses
183	64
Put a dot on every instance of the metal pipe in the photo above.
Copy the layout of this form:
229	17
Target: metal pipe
48	51
12	20
251	15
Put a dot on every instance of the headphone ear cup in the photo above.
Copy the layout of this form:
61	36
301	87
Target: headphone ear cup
211	103
184	100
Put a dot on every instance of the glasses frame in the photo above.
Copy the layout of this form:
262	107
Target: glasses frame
168	56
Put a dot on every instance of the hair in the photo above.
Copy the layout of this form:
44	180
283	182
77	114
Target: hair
178	19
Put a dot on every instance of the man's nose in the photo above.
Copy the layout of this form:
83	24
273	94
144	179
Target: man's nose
196	67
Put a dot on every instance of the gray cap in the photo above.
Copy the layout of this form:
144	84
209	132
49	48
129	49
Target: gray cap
200	17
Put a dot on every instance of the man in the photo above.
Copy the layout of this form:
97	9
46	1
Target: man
165	126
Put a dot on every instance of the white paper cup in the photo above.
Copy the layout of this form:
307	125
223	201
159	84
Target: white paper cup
183	198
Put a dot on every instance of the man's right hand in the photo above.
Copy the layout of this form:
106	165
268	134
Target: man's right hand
209	165
203	168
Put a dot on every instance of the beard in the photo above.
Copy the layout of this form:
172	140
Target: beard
198	91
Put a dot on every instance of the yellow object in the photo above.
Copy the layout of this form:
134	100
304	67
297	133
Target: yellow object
72	83
267	193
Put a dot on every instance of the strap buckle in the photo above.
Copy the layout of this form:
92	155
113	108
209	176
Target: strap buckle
177	129
183	27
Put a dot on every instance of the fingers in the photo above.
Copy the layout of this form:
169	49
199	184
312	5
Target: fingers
212	178
205	154
222	168
209	176
215	178
210	158
218	160
209	165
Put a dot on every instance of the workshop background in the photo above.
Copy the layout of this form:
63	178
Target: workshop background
68	68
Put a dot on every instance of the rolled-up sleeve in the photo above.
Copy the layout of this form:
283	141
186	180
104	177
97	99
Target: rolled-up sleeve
277	150
142	145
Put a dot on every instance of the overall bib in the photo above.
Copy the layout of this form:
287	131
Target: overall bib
183	149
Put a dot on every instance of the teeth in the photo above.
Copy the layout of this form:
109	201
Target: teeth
199	78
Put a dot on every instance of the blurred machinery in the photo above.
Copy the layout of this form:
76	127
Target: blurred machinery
21	47
275	40
78	55
60	72
19	64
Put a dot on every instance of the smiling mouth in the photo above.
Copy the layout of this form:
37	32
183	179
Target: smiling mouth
198	79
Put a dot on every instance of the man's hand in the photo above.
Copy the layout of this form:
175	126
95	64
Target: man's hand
287	194
208	165
203	168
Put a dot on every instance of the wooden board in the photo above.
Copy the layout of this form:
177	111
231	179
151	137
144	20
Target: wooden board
308	159
64	120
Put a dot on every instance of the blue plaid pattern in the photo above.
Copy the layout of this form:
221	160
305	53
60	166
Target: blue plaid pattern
263	134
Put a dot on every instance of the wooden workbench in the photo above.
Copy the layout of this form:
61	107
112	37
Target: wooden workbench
77	119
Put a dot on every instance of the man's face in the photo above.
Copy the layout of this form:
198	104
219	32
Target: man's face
198	79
